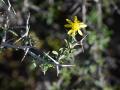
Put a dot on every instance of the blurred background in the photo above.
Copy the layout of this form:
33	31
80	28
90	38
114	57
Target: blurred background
98	68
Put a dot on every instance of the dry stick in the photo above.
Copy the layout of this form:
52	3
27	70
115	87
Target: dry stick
26	48
14	46
32	54
99	13
58	69
6	26
9	8
116	8
26	51
25	35
84	20
75	9
57	63
99	23
84	11
27	30
33	7
25	6
51	58
81	42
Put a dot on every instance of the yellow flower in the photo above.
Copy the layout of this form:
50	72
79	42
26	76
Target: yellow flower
75	26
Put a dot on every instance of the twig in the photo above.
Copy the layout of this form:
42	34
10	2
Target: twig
84	10
31	53
99	13
27	30
58	65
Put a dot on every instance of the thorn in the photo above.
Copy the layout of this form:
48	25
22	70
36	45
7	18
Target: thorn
81	42
58	71
27	49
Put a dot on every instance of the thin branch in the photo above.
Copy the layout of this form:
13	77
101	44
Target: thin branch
99	13
52	59
27	29
6	25
84	10
30	52
58	70
58	65
26	52
9	6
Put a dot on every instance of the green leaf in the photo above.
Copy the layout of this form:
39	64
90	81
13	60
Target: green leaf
55	52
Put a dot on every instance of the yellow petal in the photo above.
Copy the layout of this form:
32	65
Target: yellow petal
82	25
67	25
70	32
73	34
75	19
80	32
69	21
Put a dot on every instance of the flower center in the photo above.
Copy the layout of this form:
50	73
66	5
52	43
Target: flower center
75	26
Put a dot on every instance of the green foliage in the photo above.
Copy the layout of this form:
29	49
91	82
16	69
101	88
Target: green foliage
92	37
102	39
92	17
89	70
47	64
